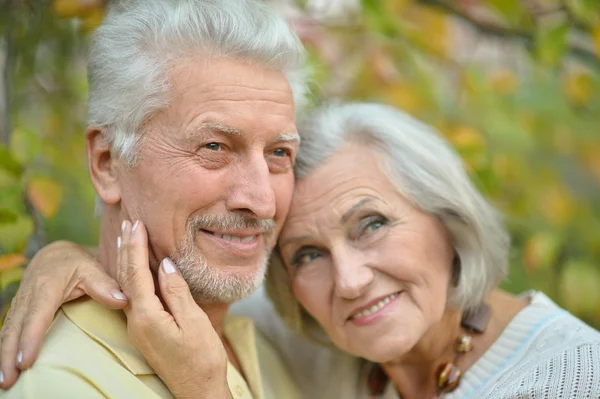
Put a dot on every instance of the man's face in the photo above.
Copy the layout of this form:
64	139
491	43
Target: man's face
215	177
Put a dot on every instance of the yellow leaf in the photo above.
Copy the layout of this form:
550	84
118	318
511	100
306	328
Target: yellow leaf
557	205
541	251
11	261
10	276
579	287
403	96
507	169
432	28
74	8
596	39
92	20
590	157
396	6
45	194
504	82
467	138
578	88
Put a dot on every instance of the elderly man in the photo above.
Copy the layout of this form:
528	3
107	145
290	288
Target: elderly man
191	130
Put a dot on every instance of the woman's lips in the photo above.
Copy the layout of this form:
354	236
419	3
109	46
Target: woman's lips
371	311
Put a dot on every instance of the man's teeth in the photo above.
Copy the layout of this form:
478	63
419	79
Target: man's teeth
234	238
375	307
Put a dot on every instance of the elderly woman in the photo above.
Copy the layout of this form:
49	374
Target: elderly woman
390	259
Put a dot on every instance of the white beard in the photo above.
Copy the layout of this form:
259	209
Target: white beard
211	285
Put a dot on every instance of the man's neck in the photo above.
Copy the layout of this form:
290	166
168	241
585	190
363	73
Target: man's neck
107	256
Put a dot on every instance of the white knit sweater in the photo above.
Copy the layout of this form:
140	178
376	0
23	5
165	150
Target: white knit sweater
544	353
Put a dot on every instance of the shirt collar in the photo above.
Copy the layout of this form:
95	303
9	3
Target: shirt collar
109	328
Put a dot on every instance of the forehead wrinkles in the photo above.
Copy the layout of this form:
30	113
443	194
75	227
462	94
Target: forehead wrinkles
323	208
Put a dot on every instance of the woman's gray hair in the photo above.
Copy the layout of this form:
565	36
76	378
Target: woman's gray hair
139	39
428	172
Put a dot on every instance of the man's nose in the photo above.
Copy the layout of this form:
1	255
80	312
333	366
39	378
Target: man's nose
251	189
352	273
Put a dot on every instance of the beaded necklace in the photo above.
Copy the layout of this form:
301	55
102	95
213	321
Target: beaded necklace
447	376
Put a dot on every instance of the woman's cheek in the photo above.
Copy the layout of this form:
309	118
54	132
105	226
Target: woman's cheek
313	295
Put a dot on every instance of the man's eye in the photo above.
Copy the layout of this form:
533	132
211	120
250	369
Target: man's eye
213	146
281	152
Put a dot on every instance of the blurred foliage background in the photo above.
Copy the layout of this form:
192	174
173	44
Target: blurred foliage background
513	84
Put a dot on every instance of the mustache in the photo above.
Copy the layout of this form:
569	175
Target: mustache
233	221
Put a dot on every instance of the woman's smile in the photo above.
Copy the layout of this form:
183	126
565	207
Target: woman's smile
374	310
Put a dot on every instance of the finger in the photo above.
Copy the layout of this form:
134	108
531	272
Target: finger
135	277
11	331
40	311
103	288
176	294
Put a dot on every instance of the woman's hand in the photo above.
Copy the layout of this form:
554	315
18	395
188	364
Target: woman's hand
58	273
180	344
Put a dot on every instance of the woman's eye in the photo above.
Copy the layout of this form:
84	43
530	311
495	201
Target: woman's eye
213	146
304	258
372	226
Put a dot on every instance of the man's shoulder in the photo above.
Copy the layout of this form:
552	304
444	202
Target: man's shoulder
83	356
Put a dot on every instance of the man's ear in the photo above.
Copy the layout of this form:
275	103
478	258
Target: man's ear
102	166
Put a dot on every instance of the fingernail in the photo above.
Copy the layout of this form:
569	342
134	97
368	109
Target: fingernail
19	358
1	378
118	295
119	242
135	225
168	266
123	225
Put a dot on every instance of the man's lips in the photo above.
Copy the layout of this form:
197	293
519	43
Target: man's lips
372	306
235	236
237	244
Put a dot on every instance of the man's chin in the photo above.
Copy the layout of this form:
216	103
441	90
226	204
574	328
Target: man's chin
224	284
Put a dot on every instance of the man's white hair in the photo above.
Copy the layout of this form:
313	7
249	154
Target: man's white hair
138	40
428	172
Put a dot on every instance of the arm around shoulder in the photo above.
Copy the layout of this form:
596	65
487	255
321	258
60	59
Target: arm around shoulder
52	383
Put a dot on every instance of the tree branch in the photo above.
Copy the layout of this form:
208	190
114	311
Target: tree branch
497	30
5	54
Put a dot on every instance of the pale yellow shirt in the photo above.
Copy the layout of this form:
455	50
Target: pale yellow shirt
86	354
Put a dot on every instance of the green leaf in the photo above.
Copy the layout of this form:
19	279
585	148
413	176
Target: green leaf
579	287
550	44
14	236
586	11
379	20
7	216
512	10
10	277
11	198
25	145
9	163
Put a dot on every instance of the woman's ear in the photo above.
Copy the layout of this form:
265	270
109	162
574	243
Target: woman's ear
102	165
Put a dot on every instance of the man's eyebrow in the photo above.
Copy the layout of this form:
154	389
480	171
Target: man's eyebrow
219	128
348	214
287	137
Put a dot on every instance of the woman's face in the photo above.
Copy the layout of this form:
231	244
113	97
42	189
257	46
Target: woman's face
368	265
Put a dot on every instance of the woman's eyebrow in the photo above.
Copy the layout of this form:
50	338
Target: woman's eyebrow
350	212
294	240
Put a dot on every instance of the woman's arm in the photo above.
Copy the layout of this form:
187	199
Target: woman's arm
58	273
180	345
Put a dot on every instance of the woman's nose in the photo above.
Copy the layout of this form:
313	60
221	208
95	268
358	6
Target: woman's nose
352	274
